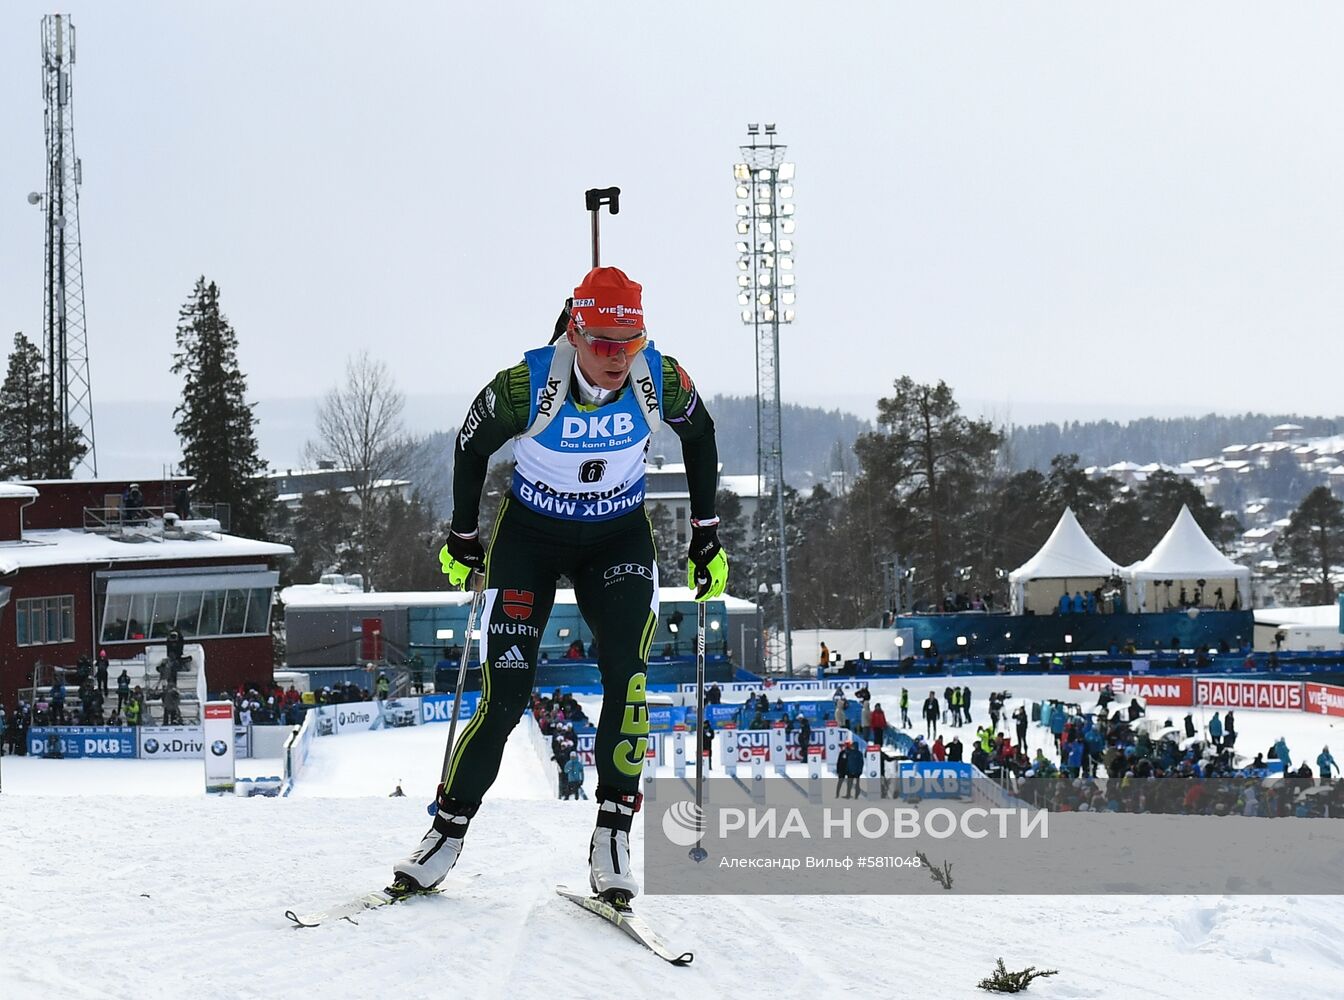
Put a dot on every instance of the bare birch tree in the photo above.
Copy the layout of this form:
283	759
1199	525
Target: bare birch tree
359	428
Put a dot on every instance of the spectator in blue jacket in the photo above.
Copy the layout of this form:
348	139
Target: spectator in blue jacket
1325	763
1216	731
1280	752
1065	605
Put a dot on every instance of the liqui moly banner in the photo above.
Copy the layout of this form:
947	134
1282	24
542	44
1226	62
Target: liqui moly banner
1153	690
1323	699
217	749
1222	692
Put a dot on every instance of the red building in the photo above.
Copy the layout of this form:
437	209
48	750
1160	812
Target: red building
81	571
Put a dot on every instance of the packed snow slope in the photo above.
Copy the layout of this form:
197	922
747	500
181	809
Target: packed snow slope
119	879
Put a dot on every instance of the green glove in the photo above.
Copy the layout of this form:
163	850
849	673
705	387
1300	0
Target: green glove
460	557
706	562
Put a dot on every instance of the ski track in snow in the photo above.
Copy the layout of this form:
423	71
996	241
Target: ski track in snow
118	879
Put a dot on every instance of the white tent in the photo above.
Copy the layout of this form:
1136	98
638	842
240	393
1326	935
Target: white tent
1067	562
1186	562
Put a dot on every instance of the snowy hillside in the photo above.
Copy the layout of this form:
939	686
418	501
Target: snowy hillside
121	880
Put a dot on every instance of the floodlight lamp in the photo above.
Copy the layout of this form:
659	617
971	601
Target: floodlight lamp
786	208
788	315
753	128
765	298
764	208
788	298
741	172
767	261
786	171
1068	639
475	635
746	313
961	640
673	627
925	643
763	174
744	299
900	641
742	247
764	228
743	191
34	198
743	211
743	228
1022	659
763	191
768	246
742	265
769	128
563	633
786	246
443	633
786	263
744	281
714	625
767	278
769	315
786	226
786	191
786	279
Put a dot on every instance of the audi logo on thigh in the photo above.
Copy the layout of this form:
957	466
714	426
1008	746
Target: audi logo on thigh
623	569
592	470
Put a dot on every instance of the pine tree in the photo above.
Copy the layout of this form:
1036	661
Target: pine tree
1313	543
26	450
215	423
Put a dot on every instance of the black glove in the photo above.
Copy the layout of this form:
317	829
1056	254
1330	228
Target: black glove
460	557
707	571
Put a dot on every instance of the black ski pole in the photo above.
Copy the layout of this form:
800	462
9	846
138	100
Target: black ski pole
477	582
594	199
698	852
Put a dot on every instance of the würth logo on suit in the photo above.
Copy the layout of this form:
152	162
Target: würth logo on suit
517	604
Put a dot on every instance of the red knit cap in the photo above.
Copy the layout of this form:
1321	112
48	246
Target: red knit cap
607	298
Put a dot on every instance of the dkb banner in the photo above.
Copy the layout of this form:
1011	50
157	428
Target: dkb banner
85	741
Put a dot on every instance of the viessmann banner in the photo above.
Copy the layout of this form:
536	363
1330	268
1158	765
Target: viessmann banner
1173	691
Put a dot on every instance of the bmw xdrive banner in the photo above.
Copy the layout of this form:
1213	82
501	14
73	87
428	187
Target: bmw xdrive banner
217	737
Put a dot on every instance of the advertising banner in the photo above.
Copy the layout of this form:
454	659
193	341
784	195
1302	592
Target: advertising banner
816	743
1154	690
171	742
1220	692
935	780
106	742
1324	699
439	707
218	746
355	716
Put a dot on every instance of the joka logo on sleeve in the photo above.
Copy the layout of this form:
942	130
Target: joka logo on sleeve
517	604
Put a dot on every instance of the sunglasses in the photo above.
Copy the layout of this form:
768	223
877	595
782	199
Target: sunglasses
608	348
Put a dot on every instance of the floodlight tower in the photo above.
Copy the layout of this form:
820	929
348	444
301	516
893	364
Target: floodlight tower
65	347
766	294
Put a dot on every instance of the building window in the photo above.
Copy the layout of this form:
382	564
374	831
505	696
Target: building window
45	620
145	608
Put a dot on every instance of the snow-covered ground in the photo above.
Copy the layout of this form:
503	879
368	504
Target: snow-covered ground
120	879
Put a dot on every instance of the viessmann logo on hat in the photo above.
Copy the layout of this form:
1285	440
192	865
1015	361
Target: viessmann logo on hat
608	298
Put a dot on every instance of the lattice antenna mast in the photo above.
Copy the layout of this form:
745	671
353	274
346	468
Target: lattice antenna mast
66	346
766	294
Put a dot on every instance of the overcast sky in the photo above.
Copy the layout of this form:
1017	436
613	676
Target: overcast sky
1064	210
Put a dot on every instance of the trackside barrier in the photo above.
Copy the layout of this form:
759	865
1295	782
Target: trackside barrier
297	748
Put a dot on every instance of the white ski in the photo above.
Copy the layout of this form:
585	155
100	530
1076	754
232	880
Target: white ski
626	919
347	911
